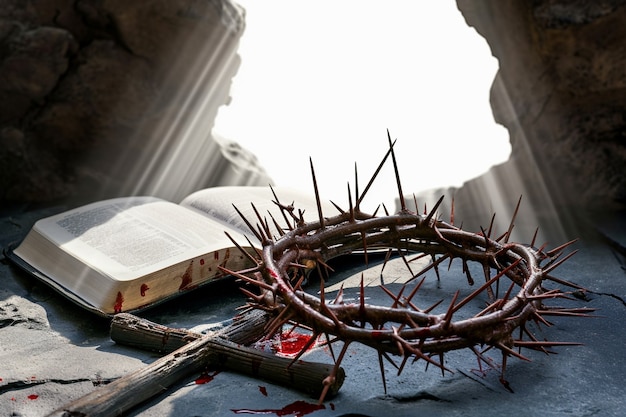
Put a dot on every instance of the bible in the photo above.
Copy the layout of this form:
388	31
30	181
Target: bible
127	254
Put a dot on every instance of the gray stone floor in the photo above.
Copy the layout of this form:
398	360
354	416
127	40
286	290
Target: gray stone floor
51	352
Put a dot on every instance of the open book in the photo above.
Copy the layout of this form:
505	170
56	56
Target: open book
129	253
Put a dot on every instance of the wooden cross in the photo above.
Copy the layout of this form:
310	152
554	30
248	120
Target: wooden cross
192	353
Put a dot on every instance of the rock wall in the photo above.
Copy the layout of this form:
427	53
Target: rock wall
113	97
560	92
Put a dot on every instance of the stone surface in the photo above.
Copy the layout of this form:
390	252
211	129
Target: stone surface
107	97
68	353
560	93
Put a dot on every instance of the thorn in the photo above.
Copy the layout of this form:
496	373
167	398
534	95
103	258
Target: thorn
552	266
304	349
487	275
339	297
395	169
432	307
246	278
333	374
350	208
362	311
406	262
470	280
339	209
395	298
485	285
405	358
387	257
415	290
448	318
329	343
386	356
558	249
382	371
567	312
539	345
532	242
564	282
282	208
262	223
256	297
508	232
280	230
507	350
371	181
443	373
252	228
539	318
317	196
241	249
356	187
435	262
434	209
452	211
490	230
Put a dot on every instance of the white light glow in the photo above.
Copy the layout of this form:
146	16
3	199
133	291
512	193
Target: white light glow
326	79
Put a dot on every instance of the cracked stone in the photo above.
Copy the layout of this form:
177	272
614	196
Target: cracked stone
17	311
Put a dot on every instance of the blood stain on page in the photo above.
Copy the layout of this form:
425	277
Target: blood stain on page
186	278
33	396
117	307
143	289
263	390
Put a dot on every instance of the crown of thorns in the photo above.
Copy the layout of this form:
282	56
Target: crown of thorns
403	329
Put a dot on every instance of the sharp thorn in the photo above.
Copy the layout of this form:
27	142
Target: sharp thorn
317	196
511	225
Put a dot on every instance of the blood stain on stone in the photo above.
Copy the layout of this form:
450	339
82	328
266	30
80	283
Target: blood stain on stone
298	409
291	343
205	377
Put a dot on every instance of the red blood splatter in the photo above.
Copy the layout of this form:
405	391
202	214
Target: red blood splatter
117	307
0	379
376	334
297	409
186	278
33	396
201	261
205	377
291	343
263	390
143	289
272	273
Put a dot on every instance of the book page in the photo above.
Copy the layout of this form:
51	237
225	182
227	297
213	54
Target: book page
130	237
218	203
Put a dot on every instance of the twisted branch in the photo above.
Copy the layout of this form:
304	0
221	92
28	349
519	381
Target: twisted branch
403	328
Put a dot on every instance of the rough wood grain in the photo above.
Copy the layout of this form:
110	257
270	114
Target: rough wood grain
130	390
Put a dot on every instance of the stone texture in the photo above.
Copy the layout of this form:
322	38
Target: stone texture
560	93
101	97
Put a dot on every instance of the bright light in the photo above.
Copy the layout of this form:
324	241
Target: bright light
326	79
